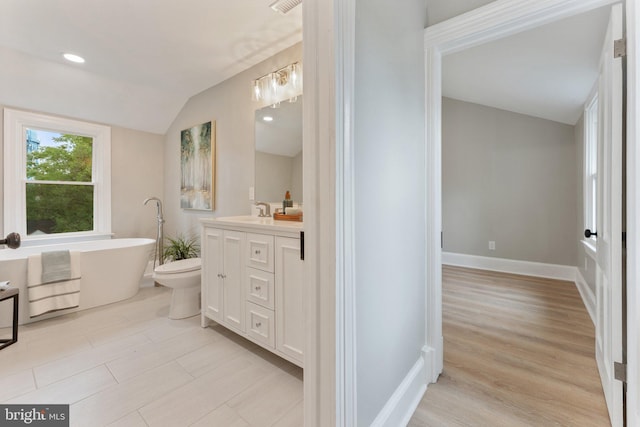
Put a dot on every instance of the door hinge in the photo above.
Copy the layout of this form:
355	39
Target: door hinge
302	245
619	48
620	371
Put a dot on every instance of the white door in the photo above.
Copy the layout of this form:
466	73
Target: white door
212	268
609	220
233	294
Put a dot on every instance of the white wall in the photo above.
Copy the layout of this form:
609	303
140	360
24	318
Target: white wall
389	198
229	104
137	162
136	173
508	178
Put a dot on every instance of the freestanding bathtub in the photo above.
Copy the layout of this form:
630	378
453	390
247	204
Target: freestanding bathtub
111	271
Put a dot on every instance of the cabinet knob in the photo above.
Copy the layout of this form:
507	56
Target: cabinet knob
258	288
257	252
258	324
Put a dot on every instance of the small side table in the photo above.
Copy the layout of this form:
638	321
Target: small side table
4	295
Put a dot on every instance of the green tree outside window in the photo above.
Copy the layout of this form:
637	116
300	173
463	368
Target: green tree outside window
59	186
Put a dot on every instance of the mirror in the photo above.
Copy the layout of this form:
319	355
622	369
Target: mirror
279	152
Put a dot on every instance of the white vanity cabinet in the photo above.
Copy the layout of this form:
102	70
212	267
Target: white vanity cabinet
252	281
222	279
290	319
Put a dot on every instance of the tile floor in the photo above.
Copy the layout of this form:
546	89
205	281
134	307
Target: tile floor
127	364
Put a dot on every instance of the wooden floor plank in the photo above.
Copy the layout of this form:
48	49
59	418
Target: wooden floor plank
518	351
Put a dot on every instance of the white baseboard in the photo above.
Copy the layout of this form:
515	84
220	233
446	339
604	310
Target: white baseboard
527	268
588	297
404	401
433	363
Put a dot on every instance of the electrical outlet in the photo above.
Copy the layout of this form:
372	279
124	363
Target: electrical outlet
492	245
252	193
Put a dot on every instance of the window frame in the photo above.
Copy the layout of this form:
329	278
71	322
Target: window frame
16	122
590	169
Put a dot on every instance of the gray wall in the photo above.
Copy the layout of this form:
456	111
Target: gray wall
136	173
509	178
438	10
584	262
390	198
229	104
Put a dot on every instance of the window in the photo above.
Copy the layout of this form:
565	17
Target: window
590	162
57	176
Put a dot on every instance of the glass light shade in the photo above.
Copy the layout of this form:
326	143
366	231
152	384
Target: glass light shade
279	85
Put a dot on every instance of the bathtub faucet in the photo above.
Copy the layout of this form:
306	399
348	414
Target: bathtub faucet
160	234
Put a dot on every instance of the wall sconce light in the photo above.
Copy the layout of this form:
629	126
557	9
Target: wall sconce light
282	84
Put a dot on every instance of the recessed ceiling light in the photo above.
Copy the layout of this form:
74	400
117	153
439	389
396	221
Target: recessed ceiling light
267	118
73	58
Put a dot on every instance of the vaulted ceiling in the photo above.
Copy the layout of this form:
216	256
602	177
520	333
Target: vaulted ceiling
546	72
144	58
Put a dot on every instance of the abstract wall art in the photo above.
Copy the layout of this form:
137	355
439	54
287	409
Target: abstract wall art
197	161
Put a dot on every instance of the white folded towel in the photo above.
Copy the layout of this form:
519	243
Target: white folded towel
47	295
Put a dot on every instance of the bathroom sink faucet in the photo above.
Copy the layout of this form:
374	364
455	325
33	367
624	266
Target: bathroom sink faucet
266	212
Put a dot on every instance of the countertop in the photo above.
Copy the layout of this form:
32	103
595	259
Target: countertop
256	224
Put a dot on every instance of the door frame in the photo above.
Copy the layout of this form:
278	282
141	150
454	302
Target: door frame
491	22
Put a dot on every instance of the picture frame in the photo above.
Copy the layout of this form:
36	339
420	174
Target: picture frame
197	166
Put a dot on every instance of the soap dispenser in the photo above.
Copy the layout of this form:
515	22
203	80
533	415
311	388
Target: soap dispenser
287	202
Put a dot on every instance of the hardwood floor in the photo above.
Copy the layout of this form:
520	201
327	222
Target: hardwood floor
127	364
518	351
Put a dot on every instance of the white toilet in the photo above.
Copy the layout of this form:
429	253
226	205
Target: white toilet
184	278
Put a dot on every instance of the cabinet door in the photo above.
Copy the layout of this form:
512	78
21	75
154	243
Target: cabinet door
212	269
290	319
233	295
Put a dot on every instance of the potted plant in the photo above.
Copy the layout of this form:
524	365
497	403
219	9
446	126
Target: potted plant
181	248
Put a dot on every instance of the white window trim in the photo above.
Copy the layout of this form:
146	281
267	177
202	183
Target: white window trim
15	124
590	248
589	243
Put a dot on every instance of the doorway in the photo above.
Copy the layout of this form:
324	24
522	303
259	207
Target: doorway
479	27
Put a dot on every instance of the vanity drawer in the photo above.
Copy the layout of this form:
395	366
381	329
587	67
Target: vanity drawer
261	324
260	247
260	287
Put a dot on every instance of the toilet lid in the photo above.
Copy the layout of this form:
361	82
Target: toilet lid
182	266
